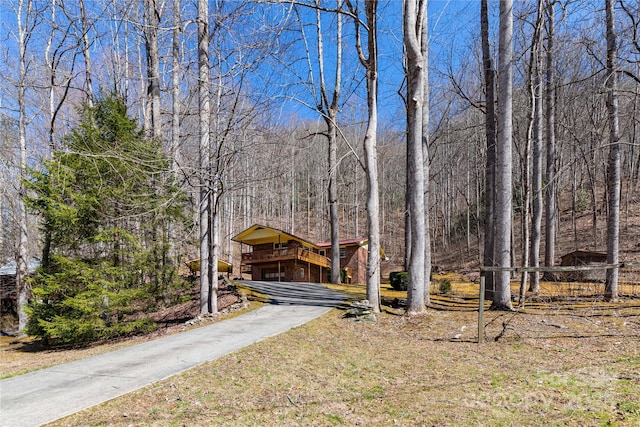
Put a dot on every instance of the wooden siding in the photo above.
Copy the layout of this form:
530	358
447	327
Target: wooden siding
290	271
285	254
584	258
356	261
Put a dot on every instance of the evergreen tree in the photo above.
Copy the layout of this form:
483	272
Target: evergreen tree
104	208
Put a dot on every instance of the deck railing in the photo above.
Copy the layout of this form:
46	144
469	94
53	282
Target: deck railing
285	254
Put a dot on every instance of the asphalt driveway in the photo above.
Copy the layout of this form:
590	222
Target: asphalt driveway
46	395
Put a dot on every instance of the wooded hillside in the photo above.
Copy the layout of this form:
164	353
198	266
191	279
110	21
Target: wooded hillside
262	119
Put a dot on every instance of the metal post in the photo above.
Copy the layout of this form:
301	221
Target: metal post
481	310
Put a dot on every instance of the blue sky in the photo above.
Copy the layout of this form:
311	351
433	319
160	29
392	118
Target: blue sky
452	23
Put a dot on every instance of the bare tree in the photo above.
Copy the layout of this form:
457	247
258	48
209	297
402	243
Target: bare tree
174	142
425	159
329	110
551	216
532	163
152	18
504	210
490	130
536	180
613	165
413	27
25	21
204	149
84	23
370	63
174	146
327	103
57	50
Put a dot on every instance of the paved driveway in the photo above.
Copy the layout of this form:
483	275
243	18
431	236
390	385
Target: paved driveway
43	396
292	293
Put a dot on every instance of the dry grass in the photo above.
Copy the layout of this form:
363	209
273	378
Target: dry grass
401	371
578	367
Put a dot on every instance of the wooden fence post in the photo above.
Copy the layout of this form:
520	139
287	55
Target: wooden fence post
481	310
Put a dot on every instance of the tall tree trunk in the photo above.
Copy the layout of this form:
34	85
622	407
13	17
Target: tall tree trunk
153	104
532	86
214	254
328	107
536	136
551	218
52	76
504	211
537	210
525	208
23	17
425	159
490	128
334	220
86	54
407	209
175	88
153	68
414	18
613	166
370	63
204	105
174	146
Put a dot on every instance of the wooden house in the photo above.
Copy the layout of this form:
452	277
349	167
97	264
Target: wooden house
9	287
584	258
353	258
275	255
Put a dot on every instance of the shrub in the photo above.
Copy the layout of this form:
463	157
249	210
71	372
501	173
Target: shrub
399	280
76	303
445	286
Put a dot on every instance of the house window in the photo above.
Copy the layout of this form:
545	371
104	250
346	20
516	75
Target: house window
279	246
343	252
272	273
322	252
302	273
